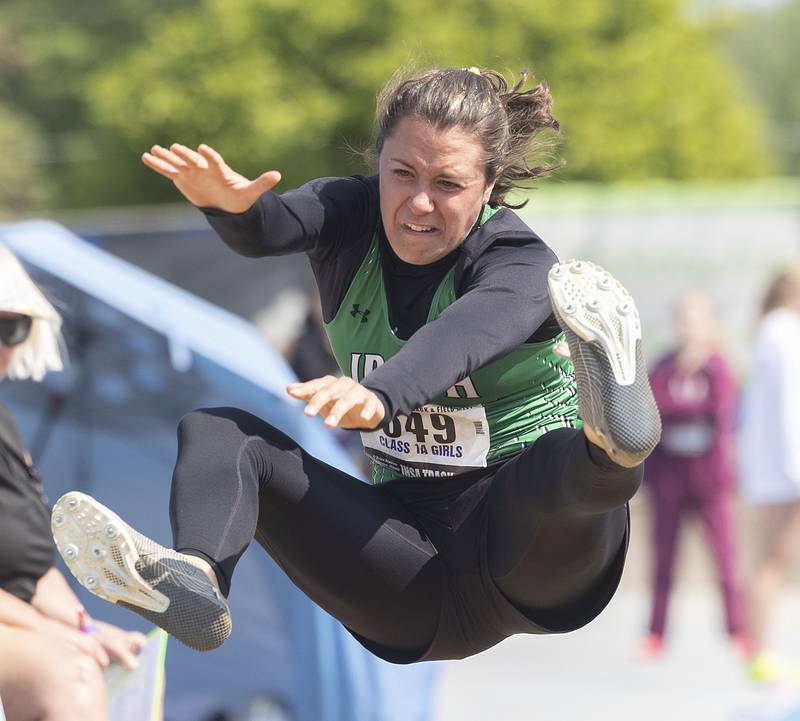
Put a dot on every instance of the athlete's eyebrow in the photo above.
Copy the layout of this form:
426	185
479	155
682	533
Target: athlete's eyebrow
450	173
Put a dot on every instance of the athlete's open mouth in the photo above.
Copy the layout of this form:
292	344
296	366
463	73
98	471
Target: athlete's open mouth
414	228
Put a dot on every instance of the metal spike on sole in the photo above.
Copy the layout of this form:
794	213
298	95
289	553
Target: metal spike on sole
598	309
86	536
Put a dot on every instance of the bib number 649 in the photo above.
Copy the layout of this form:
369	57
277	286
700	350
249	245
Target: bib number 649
442	427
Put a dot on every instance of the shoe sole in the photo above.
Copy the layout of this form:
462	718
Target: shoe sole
599	310
109	558
604	334
99	551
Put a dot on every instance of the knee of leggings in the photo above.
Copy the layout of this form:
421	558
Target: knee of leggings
201	420
610	490
212	442
632	482
228	422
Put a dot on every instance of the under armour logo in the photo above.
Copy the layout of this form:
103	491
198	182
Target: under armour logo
362	313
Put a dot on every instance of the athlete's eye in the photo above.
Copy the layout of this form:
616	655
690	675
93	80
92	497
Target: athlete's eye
449	185
402	173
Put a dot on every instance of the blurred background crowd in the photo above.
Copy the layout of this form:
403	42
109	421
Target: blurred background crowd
681	135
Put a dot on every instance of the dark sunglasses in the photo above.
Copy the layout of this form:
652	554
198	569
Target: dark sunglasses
15	329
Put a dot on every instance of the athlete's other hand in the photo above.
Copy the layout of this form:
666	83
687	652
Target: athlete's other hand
206	180
342	402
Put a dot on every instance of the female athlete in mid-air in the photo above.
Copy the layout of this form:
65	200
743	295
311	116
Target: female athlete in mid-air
501	468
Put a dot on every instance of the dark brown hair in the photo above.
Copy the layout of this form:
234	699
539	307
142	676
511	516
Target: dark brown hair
506	120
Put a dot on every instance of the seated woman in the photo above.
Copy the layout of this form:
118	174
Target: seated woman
52	654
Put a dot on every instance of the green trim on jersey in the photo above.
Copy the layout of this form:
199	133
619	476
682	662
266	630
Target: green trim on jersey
524	393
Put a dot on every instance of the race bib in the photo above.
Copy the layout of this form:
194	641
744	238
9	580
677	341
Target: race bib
431	441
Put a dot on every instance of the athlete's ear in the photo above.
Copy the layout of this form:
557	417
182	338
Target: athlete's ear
487	193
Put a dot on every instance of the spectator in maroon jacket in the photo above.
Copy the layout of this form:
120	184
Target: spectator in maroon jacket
692	469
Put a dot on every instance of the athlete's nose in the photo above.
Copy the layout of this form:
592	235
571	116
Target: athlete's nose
420	203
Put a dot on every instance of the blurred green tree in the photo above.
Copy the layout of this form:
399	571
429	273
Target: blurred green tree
640	89
23	181
766	48
48	51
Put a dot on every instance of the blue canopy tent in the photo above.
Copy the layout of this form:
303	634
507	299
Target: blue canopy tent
143	353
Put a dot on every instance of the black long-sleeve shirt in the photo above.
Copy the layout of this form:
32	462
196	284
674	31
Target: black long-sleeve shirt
500	281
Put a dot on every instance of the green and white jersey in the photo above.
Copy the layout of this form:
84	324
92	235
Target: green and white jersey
493	413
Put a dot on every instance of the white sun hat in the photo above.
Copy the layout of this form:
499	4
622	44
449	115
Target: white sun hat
41	352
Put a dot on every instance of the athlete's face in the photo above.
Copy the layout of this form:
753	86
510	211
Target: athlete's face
432	189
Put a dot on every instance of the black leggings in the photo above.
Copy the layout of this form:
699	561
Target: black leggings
556	522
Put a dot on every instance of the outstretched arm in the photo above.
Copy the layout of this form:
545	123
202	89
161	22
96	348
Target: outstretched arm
316	218
206	180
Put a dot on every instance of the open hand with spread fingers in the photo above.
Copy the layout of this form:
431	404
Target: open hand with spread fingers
342	402
206	180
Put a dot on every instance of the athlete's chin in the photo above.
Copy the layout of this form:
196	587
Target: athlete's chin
418	249
423	256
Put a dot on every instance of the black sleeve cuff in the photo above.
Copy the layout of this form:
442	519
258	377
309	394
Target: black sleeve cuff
383	397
